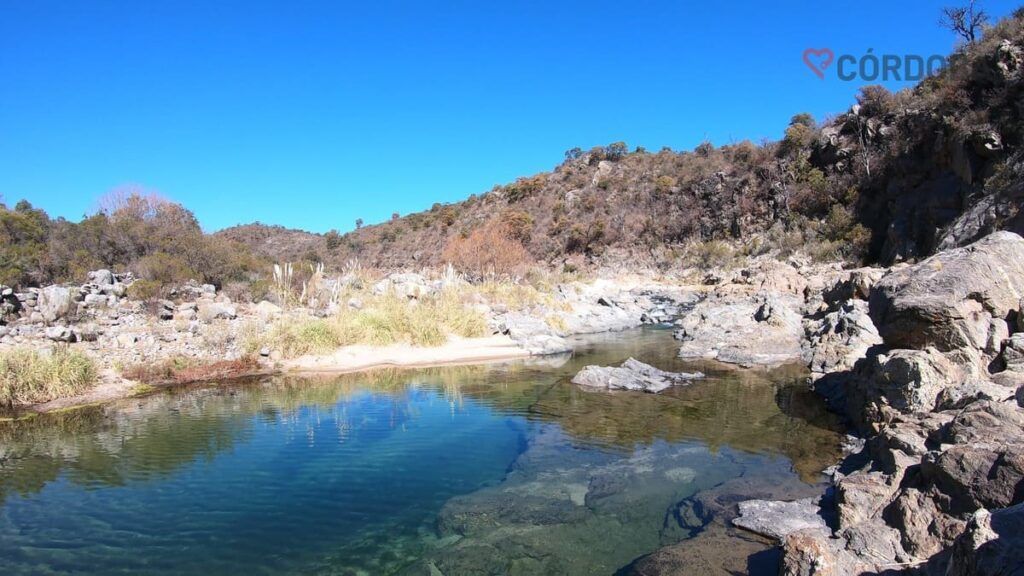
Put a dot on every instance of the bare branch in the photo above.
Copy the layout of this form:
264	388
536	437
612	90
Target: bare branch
966	22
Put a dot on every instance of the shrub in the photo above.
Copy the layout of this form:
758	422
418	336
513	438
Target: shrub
23	233
616	150
850	238
664	184
488	250
798	137
145	290
181	370
518	224
746	152
710	254
449	214
875	100
333	239
164	269
704	149
28	376
523	188
803	119
585	239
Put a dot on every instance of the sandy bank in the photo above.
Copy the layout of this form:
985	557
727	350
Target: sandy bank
362	357
348	359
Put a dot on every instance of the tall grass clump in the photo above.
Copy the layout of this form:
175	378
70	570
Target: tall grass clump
28	376
382	321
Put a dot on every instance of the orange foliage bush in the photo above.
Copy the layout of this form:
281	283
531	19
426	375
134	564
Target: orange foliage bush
489	250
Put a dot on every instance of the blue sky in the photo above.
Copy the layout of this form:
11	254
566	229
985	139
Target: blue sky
313	114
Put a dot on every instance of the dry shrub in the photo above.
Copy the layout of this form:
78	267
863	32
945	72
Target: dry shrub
488	251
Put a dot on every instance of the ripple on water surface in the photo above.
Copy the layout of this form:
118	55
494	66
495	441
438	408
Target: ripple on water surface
495	469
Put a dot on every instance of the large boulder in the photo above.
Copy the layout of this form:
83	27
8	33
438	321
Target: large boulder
841	338
1013	352
855	285
744	330
984	466
632	375
209	311
59	334
961	299
408	285
911	381
101	277
55	302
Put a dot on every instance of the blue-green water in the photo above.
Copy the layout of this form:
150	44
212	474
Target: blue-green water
462	470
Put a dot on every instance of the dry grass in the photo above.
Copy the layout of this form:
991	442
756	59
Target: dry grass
514	296
182	370
382	321
28	376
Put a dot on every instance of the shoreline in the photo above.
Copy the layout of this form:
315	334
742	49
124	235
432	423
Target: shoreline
346	360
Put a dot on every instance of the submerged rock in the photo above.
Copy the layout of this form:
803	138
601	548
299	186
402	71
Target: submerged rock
632	375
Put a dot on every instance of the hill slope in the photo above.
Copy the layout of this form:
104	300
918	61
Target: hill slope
934	166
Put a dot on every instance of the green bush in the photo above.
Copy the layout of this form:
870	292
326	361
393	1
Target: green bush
523	188
798	137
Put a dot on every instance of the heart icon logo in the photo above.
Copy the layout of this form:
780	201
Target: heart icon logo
818	60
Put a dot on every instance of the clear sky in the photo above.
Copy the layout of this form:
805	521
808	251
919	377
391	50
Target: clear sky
312	114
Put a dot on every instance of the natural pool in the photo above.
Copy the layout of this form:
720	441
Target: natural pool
505	468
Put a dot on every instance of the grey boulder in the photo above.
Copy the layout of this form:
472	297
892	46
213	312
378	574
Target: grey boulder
632	375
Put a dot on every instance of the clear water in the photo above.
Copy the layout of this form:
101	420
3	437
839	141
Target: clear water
496	469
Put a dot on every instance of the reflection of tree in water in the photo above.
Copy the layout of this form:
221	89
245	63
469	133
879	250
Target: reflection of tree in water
148	438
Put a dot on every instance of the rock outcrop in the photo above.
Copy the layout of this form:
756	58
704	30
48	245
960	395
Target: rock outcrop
938	488
962	300
739	329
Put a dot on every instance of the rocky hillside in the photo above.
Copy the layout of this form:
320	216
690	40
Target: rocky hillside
277	242
895	177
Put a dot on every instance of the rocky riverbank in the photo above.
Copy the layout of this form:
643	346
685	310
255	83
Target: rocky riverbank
925	361
202	329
